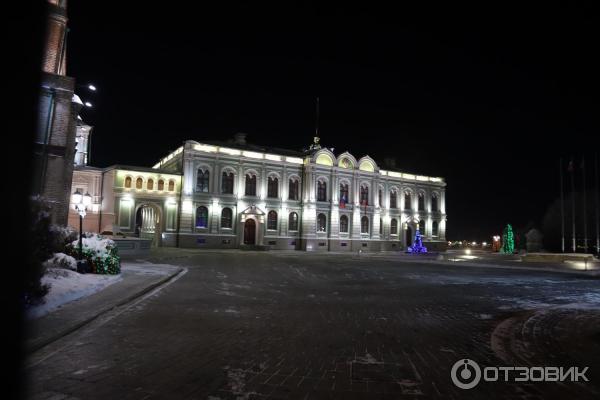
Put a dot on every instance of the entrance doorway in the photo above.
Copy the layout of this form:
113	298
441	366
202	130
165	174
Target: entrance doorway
147	223
409	236
250	231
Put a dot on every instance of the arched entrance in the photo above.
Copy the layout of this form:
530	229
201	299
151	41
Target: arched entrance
147	223
250	231
409	236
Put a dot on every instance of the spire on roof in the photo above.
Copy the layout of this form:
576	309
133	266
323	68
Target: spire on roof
315	145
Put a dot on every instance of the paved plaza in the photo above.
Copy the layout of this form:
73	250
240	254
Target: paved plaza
279	325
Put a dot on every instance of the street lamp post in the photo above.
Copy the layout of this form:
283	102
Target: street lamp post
81	201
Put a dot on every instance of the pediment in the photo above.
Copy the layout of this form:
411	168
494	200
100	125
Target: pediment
253	210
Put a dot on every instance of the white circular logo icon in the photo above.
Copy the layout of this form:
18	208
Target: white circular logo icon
465	374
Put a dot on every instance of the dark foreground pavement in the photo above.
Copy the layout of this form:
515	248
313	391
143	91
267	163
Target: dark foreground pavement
242	325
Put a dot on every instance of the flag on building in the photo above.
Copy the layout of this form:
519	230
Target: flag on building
343	201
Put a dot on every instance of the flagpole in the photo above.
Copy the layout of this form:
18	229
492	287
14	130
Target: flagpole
585	238
317	122
597	213
562	209
573	202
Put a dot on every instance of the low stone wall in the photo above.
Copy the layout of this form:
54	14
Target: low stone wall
132	247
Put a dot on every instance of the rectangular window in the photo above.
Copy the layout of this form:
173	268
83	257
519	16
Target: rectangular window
125	213
321	191
250	185
171	212
393	200
293	190
272	188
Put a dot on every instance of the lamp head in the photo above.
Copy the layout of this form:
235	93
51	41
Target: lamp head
77	197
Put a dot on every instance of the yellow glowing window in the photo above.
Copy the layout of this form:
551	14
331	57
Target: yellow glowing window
324	159
366	166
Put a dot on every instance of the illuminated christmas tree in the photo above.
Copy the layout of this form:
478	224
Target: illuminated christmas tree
417	247
508	242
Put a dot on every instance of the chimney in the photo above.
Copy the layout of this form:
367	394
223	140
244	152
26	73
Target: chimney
239	138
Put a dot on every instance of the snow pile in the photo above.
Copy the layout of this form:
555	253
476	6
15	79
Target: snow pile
66	286
61	260
100	253
96	244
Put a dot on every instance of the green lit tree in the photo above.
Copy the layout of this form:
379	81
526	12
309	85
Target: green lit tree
508	240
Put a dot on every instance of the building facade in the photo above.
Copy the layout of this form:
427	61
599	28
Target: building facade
233	194
54	143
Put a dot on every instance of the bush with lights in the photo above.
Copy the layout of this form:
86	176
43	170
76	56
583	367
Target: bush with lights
100	253
508	241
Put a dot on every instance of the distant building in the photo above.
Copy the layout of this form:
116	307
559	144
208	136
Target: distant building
54	148
230	194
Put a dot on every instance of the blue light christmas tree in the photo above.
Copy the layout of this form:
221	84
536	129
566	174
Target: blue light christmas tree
417	246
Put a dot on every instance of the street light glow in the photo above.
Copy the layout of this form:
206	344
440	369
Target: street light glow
88	104
92	88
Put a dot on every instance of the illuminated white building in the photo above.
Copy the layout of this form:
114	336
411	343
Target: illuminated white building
230	194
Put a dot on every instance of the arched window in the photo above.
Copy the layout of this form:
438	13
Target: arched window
227	183
171	185
139	182
226	218
321	223
321	190
201	217
344	224
380	198
434	202
343	194
161	184
422	226
202	180
393	199
293	189
150	184
364	225
421	202
364	195
250	185
273	187
272	220
128	182
407	201
434	228
394	226
293	222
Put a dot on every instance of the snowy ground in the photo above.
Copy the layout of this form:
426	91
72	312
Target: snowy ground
67	286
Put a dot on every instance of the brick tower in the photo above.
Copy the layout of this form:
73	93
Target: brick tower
57	124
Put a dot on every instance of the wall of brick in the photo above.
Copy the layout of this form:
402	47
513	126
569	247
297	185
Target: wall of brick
55	44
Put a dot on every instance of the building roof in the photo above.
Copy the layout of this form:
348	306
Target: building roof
252	147
141	169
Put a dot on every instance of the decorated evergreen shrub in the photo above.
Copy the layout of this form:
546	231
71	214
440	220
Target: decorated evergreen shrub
100	253
508	241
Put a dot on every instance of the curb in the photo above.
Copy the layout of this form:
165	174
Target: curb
37	345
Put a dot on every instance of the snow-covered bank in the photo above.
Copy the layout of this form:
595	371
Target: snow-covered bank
67	286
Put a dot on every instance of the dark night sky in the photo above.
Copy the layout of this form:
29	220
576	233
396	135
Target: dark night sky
490	103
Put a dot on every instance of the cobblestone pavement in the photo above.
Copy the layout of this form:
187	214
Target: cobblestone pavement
244	325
